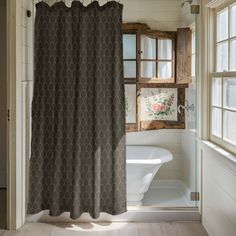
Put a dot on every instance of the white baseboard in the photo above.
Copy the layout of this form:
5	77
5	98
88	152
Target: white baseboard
141	215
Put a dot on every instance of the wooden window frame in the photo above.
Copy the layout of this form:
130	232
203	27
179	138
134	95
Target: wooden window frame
140	29
133	126
221	141
159	35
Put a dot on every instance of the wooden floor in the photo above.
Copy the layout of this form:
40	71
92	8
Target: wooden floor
110	229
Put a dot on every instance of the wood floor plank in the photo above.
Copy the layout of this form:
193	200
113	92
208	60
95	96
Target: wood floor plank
149	229
110	229
21	232
192	229
37	229
170	229
129	229
88	229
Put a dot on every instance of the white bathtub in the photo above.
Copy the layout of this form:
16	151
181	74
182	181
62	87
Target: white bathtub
142	164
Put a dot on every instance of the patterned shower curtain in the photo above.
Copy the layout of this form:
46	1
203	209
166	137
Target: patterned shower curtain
78	114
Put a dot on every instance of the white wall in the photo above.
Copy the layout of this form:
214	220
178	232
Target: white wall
189	165
158	14
186	17
218	191
3	95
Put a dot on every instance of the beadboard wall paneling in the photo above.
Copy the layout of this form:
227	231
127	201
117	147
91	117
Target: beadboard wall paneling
218	192
188	163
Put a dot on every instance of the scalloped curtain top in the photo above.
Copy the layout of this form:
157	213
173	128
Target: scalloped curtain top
78	4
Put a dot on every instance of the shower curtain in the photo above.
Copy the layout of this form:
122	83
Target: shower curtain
78	111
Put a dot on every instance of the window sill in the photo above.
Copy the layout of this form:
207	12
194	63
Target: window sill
223	152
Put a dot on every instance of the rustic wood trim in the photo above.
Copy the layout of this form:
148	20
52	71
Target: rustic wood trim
131	127
174	58
134	26
158	34
184	55
130	80
156	124
129	60
157	66
138	77
149	60
157	80
162	85
139	29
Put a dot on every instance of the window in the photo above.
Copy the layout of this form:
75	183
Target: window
153	91
223	80
129	55
157	58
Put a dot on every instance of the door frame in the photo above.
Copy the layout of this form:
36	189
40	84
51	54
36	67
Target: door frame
15	163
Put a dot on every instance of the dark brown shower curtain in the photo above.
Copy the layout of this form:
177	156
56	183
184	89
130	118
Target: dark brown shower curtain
78	113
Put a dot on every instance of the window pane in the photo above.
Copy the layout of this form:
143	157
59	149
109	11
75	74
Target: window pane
129	46
233	21
130	103
222	56
216	121
164	70
148	69
148	47
233	55
217	92
222	25
164	49
230	126
130	69
230	93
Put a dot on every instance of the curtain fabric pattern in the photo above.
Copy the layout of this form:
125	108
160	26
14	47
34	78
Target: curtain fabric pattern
78	114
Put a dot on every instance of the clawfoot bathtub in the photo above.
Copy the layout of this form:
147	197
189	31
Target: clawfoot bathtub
142	164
